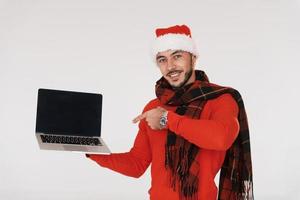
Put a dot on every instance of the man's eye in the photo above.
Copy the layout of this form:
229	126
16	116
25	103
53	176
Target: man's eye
161	60
177	56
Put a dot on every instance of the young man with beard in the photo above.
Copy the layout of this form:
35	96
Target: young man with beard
189	132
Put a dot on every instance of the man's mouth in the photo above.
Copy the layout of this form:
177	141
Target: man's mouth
174	74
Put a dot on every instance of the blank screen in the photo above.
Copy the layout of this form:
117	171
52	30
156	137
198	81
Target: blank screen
68	113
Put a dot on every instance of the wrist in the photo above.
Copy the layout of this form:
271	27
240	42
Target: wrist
164	120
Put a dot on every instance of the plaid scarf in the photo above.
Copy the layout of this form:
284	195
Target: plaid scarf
236	172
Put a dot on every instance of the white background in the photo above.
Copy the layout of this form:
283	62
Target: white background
103	46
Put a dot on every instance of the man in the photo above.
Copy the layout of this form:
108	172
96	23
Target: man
189	132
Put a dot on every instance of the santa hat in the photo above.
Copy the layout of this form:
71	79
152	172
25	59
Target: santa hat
174	38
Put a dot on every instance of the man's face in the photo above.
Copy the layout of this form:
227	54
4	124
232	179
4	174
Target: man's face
177	67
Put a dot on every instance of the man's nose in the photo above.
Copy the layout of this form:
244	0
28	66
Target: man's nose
170	64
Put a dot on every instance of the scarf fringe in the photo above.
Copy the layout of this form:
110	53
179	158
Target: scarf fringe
179	160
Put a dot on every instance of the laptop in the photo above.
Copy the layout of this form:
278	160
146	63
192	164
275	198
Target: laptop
69	121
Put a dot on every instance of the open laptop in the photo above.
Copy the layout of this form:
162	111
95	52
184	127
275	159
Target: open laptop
69	121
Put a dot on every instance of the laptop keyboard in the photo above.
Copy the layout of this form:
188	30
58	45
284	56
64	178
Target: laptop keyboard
60	139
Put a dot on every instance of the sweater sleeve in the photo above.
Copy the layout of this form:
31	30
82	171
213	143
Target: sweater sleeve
216	133
133	163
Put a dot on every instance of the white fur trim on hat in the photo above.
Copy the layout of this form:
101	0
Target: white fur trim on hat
173	41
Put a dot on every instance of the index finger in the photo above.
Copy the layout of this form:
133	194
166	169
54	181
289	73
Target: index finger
139	118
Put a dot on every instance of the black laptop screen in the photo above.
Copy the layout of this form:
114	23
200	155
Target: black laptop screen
68	113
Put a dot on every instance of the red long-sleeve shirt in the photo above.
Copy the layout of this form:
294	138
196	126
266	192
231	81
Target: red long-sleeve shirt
214	133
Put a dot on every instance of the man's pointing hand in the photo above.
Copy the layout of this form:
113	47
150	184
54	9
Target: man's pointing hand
152	117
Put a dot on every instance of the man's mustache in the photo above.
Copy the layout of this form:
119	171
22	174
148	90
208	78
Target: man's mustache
173	71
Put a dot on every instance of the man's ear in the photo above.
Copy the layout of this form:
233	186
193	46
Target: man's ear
194	59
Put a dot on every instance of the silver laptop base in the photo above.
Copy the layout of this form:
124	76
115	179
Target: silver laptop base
103	149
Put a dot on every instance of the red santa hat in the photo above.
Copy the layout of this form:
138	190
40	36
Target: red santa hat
174	38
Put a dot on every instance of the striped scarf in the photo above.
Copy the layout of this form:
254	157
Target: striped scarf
236	172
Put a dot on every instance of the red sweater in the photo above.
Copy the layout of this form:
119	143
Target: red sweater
214	133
